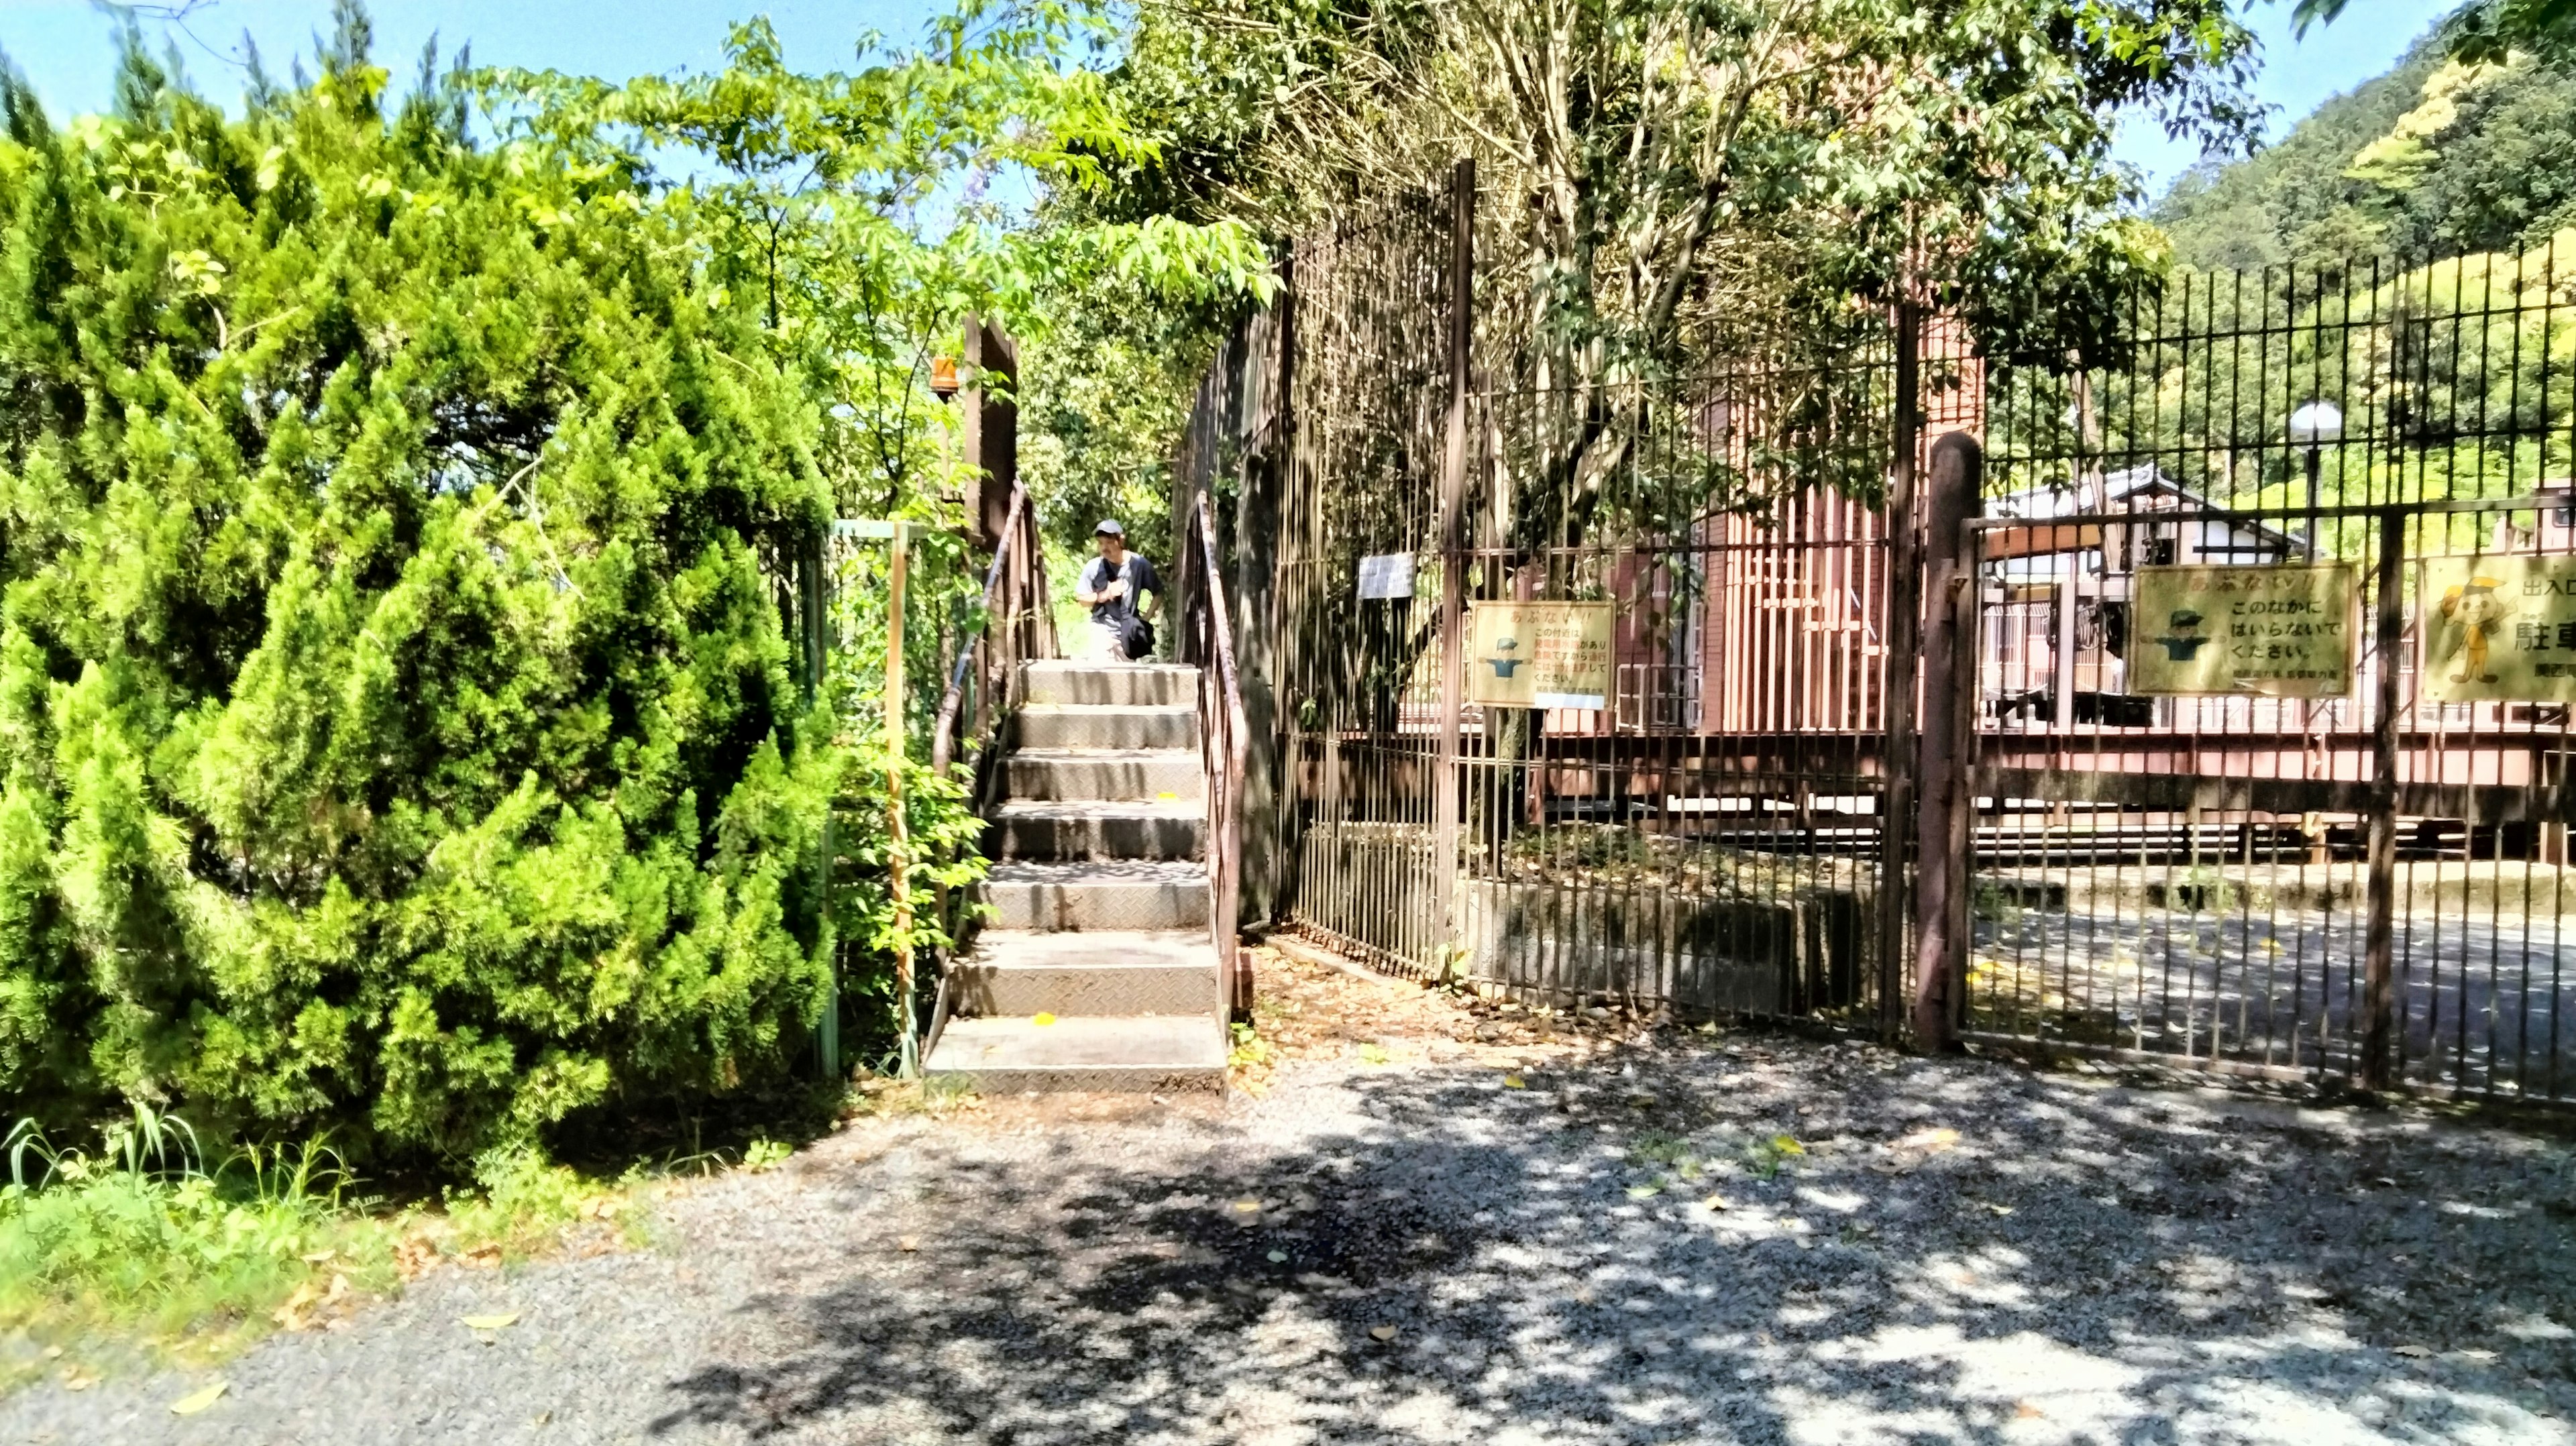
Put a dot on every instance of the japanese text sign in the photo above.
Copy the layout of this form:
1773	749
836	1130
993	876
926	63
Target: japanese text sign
2284	630
2497	627
1539	654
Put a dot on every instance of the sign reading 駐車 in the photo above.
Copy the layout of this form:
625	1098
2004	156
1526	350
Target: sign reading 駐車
1538	654
2498	628
2284	630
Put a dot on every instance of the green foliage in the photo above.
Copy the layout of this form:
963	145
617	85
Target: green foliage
397	734
138	1234
2448	375
2433	158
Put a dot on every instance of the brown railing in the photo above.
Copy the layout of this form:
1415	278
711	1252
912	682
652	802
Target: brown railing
1204	637
1017	625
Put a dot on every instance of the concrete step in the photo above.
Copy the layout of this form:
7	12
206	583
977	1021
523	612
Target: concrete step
1072	830
1124	894
1167	774
1165	685
1007	1054
1089	725
1103	972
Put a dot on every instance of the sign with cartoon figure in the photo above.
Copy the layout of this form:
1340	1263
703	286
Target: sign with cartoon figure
2282	630
1538	654
2498	627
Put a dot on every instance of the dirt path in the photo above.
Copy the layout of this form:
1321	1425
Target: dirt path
1435	1224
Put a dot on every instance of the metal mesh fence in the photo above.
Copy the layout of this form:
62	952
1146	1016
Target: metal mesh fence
2225	872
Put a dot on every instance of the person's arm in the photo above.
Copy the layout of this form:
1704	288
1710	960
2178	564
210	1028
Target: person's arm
1082	592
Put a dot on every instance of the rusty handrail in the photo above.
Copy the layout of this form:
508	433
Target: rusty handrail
1208	641
1017	559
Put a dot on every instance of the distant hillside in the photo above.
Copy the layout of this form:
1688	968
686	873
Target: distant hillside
2428	159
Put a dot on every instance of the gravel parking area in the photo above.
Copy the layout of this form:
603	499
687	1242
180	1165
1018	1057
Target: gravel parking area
1431	1223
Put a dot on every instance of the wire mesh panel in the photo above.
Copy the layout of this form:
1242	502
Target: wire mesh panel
1707	841
1367	396
2238	871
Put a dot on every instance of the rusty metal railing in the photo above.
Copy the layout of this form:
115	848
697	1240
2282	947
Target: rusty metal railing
1205	639
1017	625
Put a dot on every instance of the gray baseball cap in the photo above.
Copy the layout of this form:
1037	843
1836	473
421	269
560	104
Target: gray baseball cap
1108	528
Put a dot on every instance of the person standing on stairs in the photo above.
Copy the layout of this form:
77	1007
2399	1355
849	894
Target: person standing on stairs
1114	586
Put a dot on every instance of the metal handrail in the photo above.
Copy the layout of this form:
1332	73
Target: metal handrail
1207	640
1017	624
1015	596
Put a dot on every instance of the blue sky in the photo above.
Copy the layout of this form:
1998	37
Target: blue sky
63	44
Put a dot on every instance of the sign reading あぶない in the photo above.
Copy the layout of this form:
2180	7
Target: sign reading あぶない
2498	628
2284	630
1538	654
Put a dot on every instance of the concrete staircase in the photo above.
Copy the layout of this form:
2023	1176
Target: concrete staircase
1100	892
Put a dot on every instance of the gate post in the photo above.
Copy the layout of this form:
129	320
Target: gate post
1453	569
1903	631
1946	742
2378	989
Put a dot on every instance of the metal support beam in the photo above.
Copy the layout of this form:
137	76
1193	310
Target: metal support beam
2379	996
1904	658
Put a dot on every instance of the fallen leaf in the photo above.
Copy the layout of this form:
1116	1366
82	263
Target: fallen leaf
908	1242
195	1401
1042	1018
1998	1209
1384	1333
2412	1351
78	1382
53	1353
1279	1257
1714	1202
321	1257
1514	1082
2028	1412
1644	1192
486	1256
1787	1145
1247	1207
489	1322
1929	1140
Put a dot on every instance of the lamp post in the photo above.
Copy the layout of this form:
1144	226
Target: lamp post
2312	426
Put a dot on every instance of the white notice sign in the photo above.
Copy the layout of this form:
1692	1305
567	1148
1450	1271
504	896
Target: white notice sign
1386	575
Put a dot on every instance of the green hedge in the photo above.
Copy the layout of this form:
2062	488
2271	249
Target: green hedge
397	731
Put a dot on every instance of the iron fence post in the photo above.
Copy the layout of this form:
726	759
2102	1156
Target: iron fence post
1904	640
2379	937
1947	737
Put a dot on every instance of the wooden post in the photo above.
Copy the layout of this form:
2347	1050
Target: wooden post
1903	633
2379	995
1947	741
898	846
1453	561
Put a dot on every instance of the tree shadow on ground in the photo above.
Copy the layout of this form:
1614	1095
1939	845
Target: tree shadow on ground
1447	1258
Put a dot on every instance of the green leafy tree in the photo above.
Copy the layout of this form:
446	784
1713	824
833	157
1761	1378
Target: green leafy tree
1674	187
397	732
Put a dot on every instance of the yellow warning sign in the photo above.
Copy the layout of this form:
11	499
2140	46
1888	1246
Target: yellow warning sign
1538	654
2283	630
2498	627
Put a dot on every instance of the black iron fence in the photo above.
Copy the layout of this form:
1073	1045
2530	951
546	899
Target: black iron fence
2354	876
1612	691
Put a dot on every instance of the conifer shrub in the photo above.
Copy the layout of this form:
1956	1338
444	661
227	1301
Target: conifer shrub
399	735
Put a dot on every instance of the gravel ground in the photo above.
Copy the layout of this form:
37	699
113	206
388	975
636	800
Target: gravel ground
1430	1223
